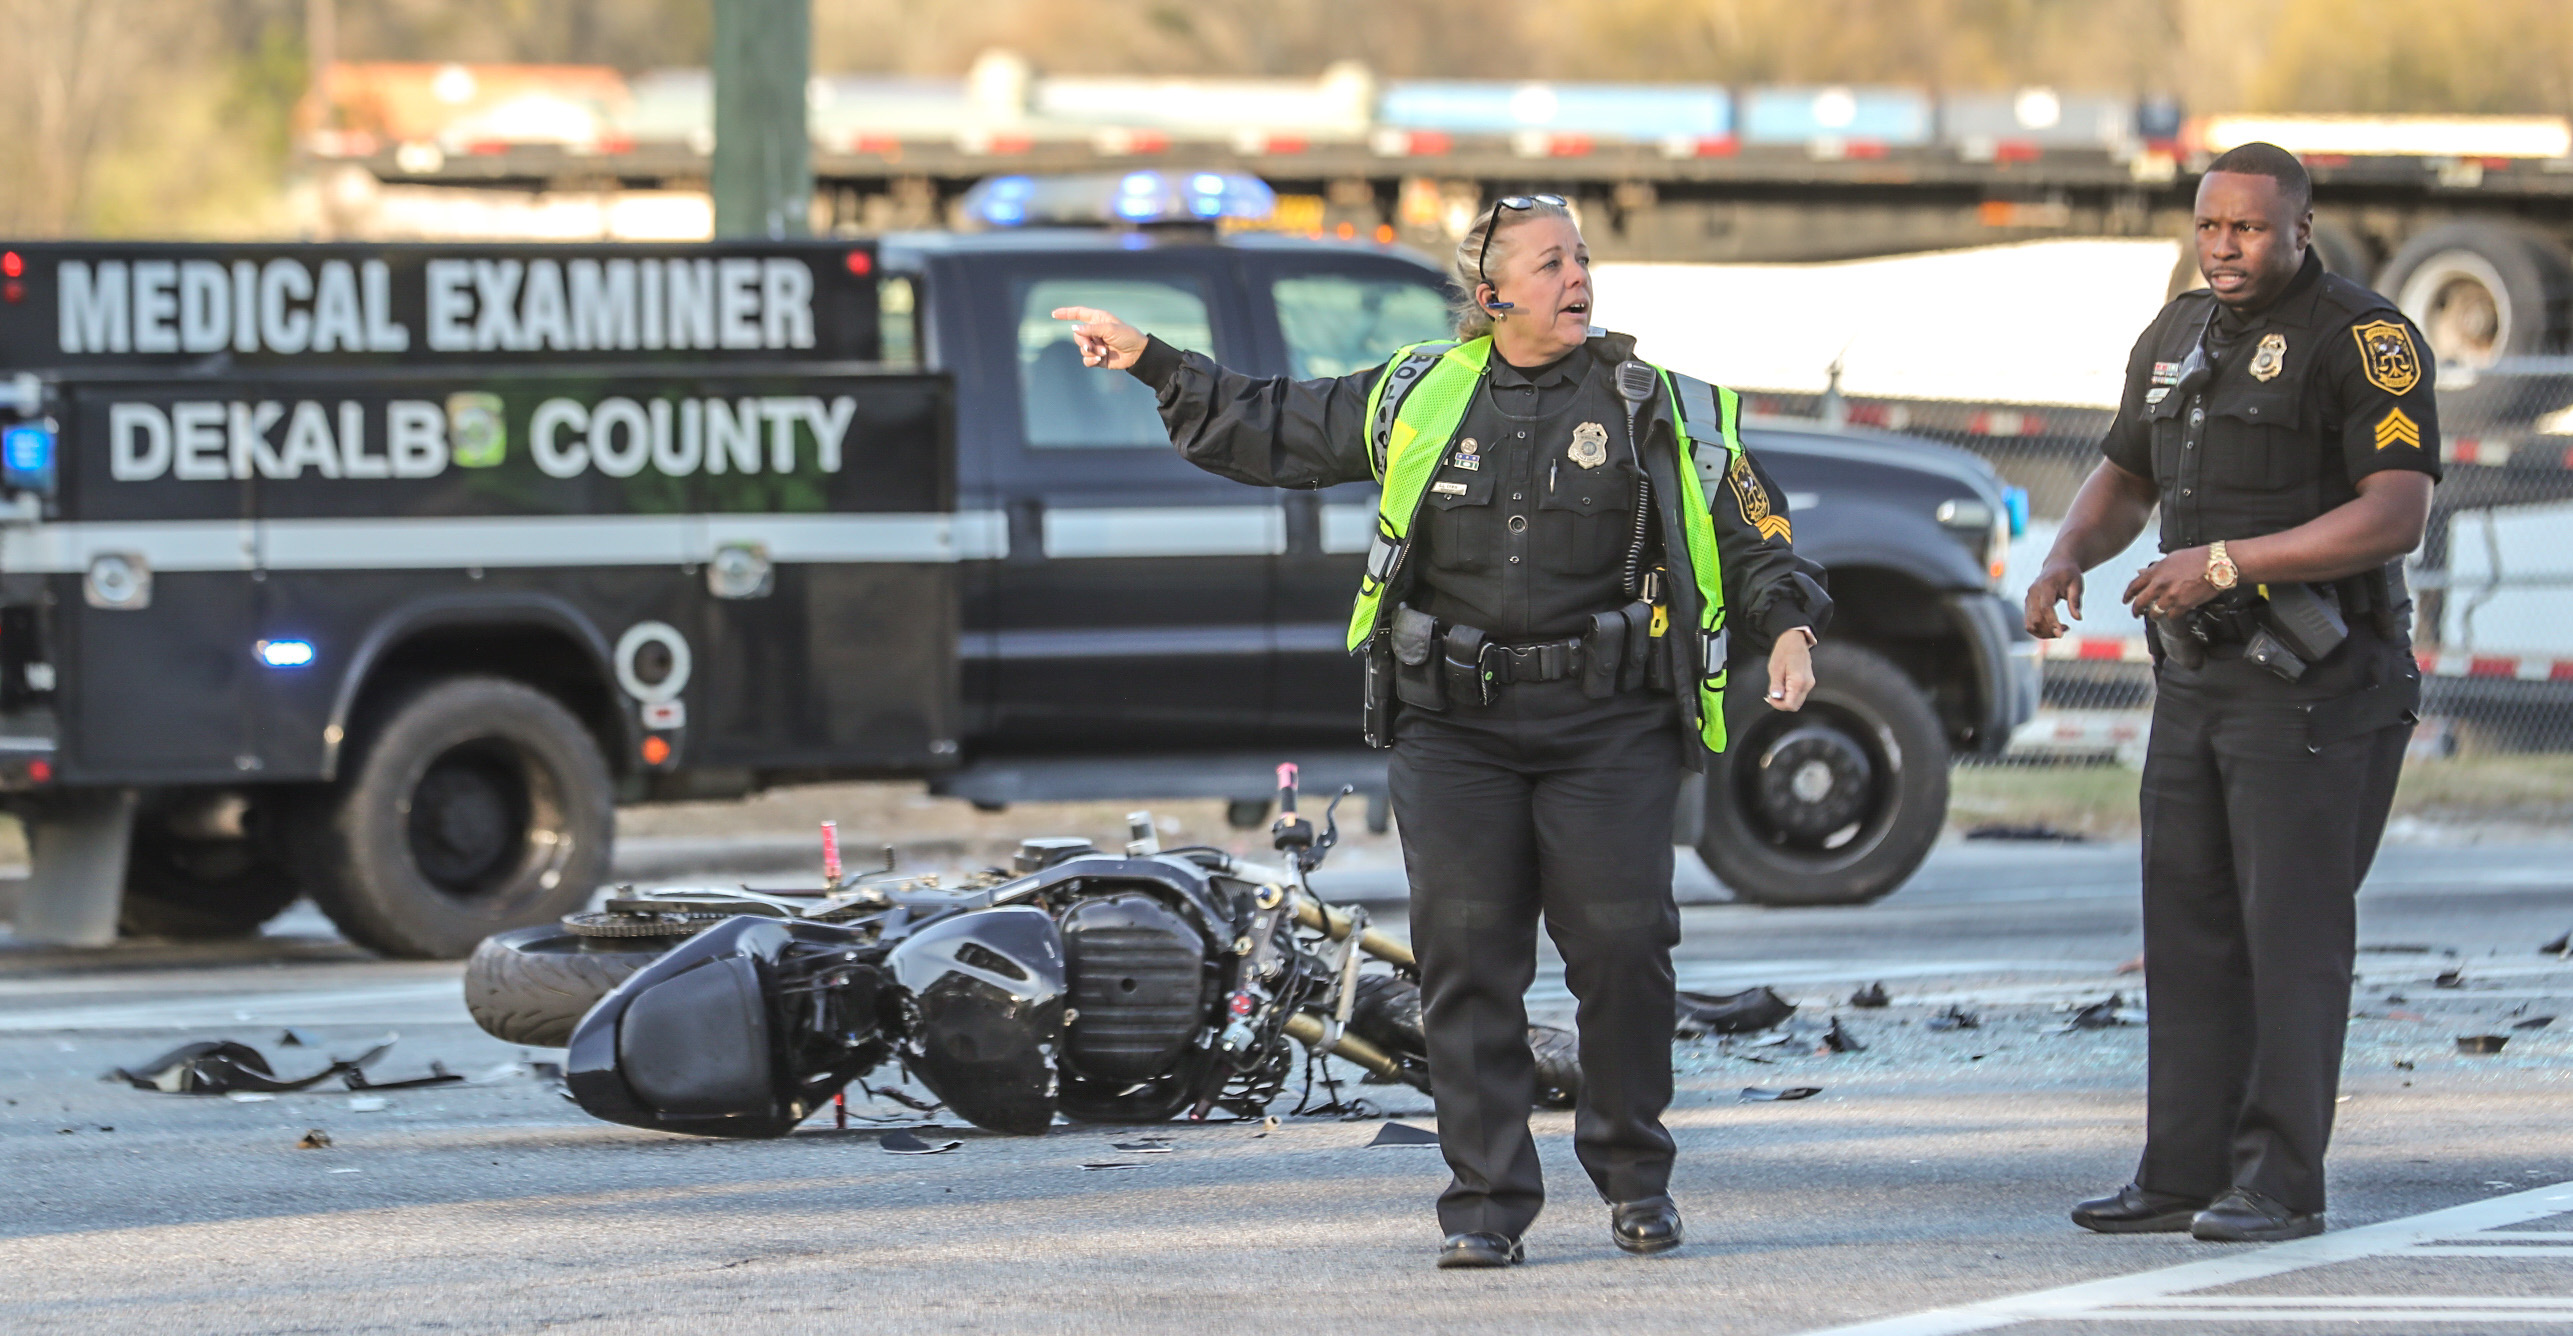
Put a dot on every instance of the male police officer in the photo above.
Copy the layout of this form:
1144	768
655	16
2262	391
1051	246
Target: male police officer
1557	568
2283	420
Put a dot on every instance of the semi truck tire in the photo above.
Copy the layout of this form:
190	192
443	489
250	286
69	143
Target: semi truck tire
2344	251
2481	291
477	805
200	890
533	985
1835	804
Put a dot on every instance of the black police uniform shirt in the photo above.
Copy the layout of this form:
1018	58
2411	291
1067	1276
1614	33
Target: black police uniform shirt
2322	387
1517	536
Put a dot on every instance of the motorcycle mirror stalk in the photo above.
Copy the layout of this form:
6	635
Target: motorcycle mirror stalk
1294	836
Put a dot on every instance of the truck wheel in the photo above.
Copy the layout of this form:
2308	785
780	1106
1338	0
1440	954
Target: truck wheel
2481	291
478	805
1836	804
201	889
532	985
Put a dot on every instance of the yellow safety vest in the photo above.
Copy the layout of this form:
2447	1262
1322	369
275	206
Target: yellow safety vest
1412	417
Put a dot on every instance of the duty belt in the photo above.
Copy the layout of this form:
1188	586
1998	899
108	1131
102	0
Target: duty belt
1545	661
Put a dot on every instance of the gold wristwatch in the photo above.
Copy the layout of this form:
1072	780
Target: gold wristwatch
2221	571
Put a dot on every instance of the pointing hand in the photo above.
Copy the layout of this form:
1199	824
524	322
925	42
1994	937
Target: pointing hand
1104	340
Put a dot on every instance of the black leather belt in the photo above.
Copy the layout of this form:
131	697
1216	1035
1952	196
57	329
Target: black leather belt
1545	661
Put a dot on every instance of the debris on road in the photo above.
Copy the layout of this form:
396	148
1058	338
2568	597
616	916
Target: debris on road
369	1104
1954	1018
904	1143
2452	977
1112	1164
2561	946
221	1066
2107	1014
438	1075
2039	830
2533	1023
2481	1043
314	1139
1839	1040
1871	997
1761	1095
1746	1012
294	1038
2396	949
1152	1147
1403	1134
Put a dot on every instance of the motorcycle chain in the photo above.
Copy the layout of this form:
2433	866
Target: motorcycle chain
610	924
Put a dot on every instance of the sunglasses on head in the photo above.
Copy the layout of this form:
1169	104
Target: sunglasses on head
1506	202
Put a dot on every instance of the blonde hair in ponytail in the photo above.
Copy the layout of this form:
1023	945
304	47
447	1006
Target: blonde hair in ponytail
1472	320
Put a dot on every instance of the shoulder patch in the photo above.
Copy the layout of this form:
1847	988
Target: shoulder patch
2387	357
1757	511
2397	428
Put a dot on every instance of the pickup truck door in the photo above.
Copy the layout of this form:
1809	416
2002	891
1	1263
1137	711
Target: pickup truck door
1135	592
1330	315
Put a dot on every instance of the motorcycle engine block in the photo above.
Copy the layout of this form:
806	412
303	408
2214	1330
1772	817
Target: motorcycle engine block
1141	986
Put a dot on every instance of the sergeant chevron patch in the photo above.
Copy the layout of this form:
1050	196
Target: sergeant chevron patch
2397	428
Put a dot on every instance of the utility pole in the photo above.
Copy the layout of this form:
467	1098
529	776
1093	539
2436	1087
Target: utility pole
763	161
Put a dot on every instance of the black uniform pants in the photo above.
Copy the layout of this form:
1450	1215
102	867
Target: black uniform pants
1544	802
2255	841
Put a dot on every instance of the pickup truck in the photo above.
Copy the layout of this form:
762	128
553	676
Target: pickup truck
383	573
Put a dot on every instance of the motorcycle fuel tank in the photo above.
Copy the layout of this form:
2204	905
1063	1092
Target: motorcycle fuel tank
987	990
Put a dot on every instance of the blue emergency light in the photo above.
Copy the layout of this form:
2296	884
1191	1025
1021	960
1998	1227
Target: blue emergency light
27	457
1138	197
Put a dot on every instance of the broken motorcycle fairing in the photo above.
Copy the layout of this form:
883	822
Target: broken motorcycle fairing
1108	988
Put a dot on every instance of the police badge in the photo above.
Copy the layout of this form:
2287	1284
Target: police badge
1589	445
2269	358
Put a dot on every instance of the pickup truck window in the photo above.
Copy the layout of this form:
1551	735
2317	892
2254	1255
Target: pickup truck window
1068	406
1336	324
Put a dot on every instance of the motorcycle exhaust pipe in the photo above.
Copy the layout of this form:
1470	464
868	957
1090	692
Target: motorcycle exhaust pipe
1332	923
1308	1030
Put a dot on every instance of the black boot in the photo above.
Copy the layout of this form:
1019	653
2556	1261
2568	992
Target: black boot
2132	1210
1479	1250
2245	1216
1648	1226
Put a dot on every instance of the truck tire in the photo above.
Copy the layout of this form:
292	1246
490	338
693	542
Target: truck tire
1835	804
2344	251
201	890
2481	291
532	985
477	805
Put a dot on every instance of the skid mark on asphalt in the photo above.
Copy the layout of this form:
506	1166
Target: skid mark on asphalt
2478	1230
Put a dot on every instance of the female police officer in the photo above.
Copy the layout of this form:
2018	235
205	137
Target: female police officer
1546	630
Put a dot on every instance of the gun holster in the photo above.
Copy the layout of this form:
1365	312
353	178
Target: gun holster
2172	640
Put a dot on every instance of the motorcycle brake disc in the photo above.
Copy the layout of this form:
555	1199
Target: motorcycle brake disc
613	924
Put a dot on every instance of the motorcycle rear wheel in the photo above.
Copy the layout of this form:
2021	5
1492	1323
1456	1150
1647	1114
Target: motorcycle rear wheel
533	985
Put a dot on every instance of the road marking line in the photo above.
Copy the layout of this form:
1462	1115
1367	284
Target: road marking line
2327	1313
306	1008
2096	1300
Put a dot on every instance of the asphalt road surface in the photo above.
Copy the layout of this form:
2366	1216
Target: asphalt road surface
1923	1191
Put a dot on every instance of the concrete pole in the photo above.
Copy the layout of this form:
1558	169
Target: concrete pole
763	178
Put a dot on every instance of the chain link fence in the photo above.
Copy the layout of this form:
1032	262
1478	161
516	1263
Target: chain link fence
2492	583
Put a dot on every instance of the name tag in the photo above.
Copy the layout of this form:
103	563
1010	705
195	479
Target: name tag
2157	394
1448	488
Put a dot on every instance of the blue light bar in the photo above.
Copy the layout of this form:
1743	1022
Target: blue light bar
1129	198
27	457
286	653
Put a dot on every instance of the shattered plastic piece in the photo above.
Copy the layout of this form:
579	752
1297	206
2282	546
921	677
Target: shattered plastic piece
1870	997
438	1075
2103	1015
904	1143
1403	1134
2451	978
1750	1010
1839	1040
1111	1164
1759	1095
248	1097
314	1139
1142	1147
2561	946
294	1038
2533	1023
220	1066
2481	1043
1954	1018
369	1104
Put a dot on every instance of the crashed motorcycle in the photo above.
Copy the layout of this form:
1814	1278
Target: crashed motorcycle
1113	988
